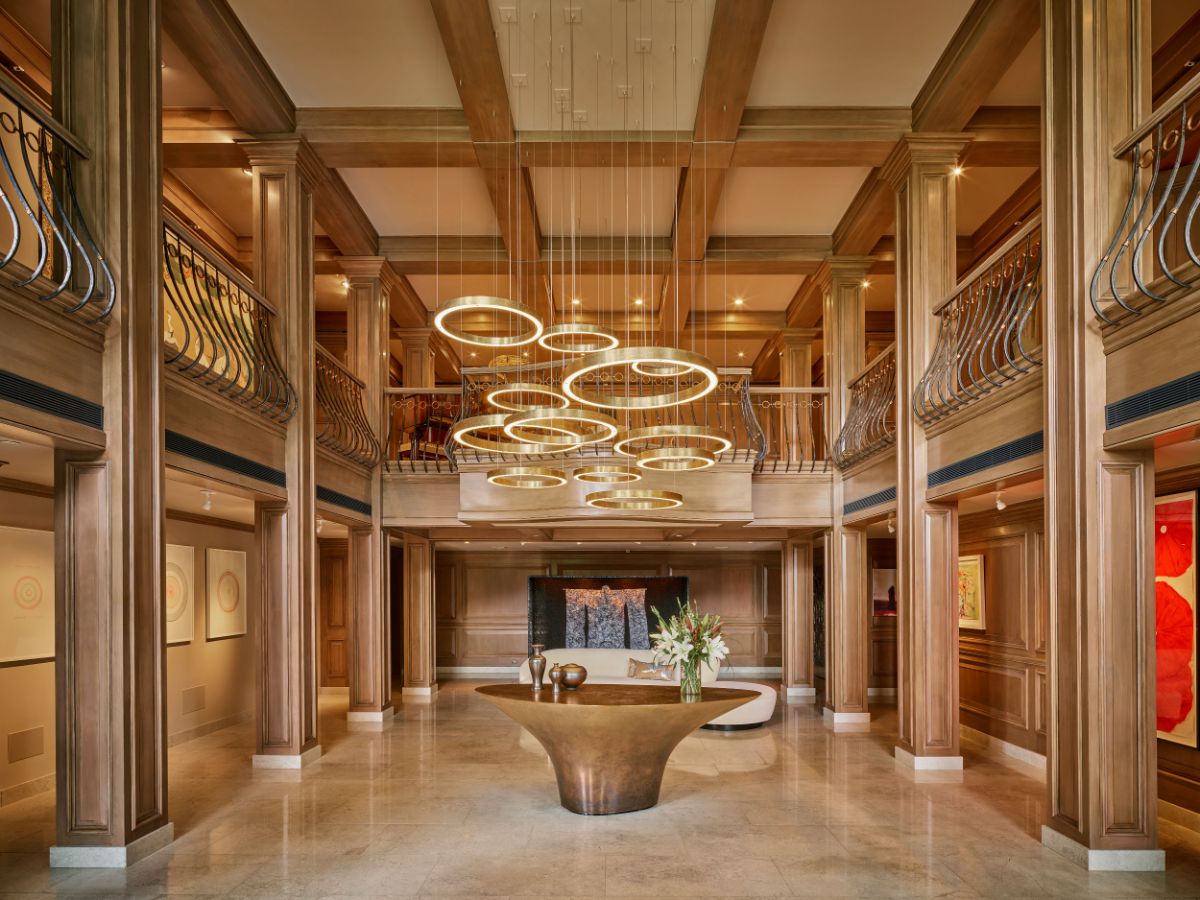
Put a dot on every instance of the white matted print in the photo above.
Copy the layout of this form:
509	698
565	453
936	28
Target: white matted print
179	594
26	595
226	593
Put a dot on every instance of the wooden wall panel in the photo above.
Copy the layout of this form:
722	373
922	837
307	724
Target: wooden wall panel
1002	670
482	598
332	600
881	554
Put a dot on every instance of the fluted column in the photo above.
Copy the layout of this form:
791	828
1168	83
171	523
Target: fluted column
367	353
798	619
420	653
110	673
1101	743
847	601
920	172
285	172
416	356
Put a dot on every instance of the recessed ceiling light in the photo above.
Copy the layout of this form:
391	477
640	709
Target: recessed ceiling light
741	354
866	282
738	301
575	301
345	282
246	171
637	301
956	171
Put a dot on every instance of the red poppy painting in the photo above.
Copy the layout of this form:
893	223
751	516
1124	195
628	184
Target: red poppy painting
1175	616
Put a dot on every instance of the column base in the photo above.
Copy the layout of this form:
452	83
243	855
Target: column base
928	763
846	721
286	760
425	692
800	692
112	857
1103	860
370	719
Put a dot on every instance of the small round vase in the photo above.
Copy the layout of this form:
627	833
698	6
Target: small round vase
573	675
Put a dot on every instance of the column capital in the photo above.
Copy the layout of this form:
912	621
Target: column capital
362	269
853	268
287	150
797	337
922	149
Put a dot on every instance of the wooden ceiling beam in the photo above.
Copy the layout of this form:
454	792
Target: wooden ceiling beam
1008	217
1004	136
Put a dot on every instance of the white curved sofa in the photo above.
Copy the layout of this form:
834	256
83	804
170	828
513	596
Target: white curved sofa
606	666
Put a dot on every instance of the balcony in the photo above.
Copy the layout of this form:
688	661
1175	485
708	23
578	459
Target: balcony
342	425
870	425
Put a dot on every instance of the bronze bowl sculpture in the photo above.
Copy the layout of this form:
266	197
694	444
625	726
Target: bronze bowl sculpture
573	675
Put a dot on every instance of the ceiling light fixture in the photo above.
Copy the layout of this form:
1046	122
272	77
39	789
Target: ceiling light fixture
497	305
891	524
208	499
607	473
473	432
675	459
527	477
522	396
634	500
866	282
656	435
637	301
956	171
606	367
320	524
575	337
549	426
1000	504
738	301
575	301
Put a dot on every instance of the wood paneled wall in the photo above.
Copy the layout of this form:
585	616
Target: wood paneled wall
483	598
332	613
1002	686
881	554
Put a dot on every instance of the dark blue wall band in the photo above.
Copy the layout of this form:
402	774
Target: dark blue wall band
887	495
223	459
328	495
1026	446
44	398
1171	395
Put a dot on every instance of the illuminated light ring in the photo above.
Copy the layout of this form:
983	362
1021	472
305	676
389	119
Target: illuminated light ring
530	478
607	473
656	370
608	340
578	427
522	387
627	356
495	304
634	499
675	459
664	433
464	434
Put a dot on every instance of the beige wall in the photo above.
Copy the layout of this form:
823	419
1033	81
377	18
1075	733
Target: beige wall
223	669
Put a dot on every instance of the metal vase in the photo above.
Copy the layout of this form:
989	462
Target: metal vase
537	666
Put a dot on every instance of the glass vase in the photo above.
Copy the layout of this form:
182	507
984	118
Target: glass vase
689	680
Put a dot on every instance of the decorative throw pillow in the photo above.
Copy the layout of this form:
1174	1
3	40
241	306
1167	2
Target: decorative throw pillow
650	671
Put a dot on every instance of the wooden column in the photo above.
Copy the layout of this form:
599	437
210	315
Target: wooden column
798	619
285	172
420	655
1101	748
110	675
370	632
416	356
795	356
847	603
919	171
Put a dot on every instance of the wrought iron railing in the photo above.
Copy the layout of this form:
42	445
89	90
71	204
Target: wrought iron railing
218	330
794	426
870	424
419	425
341	422
46	244
989	330
1154	253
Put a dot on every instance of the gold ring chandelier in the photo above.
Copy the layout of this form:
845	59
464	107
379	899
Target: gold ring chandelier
560	429
675	459
472	434
634	499
578	376
510	397
575	337
497	305
654	435
527	477
607	473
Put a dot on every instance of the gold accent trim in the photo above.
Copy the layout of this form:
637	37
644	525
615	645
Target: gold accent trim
675	459
495	304
531	426
669	432
578	329
634	499
607	473
527	477
465	434
628	356
525	387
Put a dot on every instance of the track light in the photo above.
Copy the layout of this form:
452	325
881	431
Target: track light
891	524
1000	504
207	495
320	524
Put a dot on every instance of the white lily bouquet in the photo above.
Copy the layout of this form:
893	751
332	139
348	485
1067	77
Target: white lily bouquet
689	640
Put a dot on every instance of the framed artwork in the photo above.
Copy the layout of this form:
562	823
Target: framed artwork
970	593
226	594
570	611
1175	616
883	592
179	594
26	595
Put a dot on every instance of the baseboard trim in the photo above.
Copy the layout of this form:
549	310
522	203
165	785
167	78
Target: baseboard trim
734	673
1179	815
370	715
419	693
286	760
199	731
846	721
928	763
27	789
1001	750
1103	860
112	857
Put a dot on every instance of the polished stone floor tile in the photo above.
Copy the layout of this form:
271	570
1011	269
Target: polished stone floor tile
455	800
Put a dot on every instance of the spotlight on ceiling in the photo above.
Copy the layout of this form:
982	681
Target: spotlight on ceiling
207	495
891	523
1000	504
637	301
956	171
739	301
320	524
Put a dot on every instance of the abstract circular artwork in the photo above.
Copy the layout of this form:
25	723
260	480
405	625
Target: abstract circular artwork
176	592
228	592
28	592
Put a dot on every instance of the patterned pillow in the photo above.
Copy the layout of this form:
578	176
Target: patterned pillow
649	671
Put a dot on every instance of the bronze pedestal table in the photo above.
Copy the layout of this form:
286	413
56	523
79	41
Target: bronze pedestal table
610	742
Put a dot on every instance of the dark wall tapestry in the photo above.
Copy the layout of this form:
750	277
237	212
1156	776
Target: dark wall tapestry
601	612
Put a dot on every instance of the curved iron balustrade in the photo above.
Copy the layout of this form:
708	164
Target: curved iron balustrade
45	241
792	428
1153	254
990	329
218	330
870	424
342	424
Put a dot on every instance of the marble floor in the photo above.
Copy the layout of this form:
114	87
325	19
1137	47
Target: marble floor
454	800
